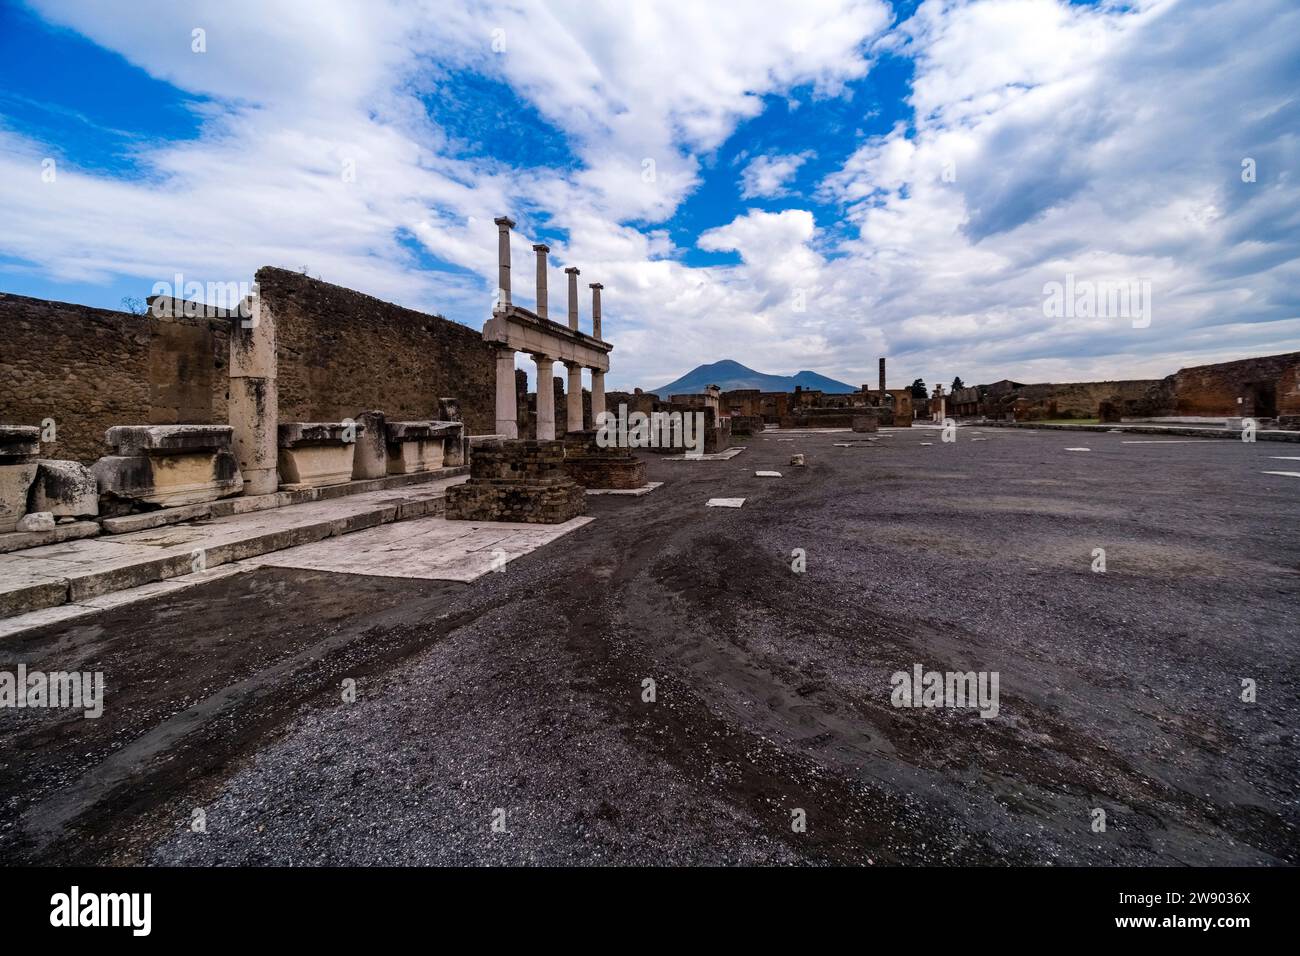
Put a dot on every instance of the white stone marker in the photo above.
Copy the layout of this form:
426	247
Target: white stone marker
724	502
1078	449
767	474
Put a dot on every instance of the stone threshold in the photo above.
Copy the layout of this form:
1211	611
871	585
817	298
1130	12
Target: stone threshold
73	572
715	456
643	490
1272	434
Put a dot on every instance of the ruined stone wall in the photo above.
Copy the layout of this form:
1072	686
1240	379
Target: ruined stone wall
1213	390
342	352
1081	399
89	369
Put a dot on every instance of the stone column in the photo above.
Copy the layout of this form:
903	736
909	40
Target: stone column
504	225
253	409
595	308
882	380
572	273
541	250
507	411
574	397
597	396
545	398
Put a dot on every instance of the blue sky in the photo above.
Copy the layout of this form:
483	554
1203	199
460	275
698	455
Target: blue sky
793	186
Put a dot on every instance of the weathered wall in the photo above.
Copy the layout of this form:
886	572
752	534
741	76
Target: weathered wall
1214	389
89	369
342	352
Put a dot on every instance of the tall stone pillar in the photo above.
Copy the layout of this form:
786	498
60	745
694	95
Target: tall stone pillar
574	400
882	379
597	396
507	410
595	308
504	225
252	409
545	398
541	249
572	273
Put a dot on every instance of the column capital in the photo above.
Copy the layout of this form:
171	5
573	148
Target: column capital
541	247
504	221
594	285
572	270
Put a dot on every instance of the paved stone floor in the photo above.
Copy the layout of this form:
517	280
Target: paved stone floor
426	548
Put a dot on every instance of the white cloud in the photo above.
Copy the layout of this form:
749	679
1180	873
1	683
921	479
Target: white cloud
1101	141
766	176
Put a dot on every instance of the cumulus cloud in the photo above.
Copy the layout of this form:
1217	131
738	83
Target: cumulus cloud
766	176
1104	142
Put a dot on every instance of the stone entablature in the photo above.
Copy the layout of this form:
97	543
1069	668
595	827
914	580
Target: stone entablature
513	329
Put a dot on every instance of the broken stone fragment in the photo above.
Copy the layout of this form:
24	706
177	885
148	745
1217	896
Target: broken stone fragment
36	521
796	460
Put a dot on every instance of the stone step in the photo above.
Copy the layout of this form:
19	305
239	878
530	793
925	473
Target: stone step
76	571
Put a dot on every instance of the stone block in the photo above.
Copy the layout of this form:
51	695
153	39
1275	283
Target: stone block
35	521
412	457
371	457
865	420
169	480
252	404
15	482
317	454
130	440
19	443
65	489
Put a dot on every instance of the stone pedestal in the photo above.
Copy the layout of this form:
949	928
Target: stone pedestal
66	489
317	454
253	409
517	481
20	446
420	446
370	460
865	420
595	467
168	465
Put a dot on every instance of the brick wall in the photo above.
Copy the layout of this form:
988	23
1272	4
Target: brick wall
1262	383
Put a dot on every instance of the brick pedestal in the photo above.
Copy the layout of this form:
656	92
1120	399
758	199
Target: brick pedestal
594	467
517	481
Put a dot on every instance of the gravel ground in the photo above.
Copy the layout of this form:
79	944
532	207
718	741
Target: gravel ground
519	698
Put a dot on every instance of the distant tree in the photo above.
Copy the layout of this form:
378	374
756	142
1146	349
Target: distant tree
918	390
957	383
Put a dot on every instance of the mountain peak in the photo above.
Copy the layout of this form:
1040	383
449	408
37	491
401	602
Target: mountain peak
729	374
